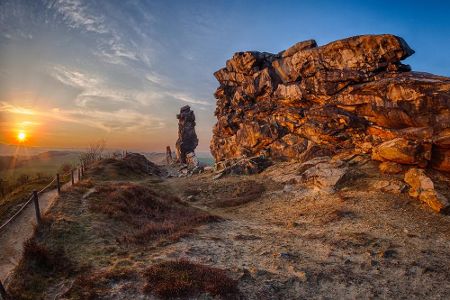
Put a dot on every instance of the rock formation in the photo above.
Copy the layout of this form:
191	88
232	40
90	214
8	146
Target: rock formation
349	95
187	138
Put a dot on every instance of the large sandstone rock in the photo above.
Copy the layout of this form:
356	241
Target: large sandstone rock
187	138
422	187
349	95
324	175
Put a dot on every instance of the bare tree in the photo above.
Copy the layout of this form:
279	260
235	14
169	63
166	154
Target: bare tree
93	153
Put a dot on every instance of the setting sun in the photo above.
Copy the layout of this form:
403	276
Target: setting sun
21	136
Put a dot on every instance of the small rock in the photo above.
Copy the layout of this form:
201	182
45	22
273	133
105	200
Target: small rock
389	167
287	188
286	255
390	186
218	176
390	253
422	187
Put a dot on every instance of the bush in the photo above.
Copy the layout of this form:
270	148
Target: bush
185	279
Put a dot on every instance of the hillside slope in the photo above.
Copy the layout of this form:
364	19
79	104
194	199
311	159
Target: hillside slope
264	236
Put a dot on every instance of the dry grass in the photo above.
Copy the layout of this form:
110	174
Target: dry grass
132	167
185	279
39	266
227	192
97	284
150	215
10	203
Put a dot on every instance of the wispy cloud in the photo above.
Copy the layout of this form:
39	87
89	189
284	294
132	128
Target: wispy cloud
186	98
76	15
129	120
79	15
92	87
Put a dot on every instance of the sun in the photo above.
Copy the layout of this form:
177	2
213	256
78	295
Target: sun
21	136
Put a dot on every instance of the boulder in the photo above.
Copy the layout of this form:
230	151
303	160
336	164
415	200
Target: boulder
422	188
402	151
349	95
323	174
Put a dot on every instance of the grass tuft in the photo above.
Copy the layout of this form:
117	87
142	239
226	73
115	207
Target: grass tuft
185	279
95	285
148	214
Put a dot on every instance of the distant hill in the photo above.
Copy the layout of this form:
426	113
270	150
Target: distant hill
47	162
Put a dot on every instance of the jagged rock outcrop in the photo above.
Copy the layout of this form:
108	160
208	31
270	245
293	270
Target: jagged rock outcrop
187	138
349	95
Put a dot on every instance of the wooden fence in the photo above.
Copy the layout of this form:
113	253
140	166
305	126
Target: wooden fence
34	197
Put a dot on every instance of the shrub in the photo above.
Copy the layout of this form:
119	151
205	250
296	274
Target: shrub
185	279
40	258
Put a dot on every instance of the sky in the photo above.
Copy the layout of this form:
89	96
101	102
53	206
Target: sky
73	71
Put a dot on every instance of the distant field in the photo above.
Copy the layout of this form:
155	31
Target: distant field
43	164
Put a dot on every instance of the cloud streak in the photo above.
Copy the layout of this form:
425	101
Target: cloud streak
107	121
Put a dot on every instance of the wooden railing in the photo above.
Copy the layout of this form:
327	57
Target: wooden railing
34	197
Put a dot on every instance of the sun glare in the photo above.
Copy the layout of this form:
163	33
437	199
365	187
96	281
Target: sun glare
21	136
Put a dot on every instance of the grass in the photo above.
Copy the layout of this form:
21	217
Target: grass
10	203
113	169
150	215
39	266
99	239
94	285
173	279
47	166
228	192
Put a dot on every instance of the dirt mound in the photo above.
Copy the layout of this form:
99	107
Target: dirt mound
148	214
132	166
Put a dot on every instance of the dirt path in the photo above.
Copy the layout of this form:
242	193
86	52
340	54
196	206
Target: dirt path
15	234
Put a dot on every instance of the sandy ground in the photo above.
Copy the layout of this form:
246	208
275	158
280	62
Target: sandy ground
21	229
296	243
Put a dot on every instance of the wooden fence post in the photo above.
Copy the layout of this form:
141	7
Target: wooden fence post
71	177
3	293
79	174
36	207
58	184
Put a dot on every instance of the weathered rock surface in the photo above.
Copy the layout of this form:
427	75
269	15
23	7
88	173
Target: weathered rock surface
422	187
389	167
349	95
187	138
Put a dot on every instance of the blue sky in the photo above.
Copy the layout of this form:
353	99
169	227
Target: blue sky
73	71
